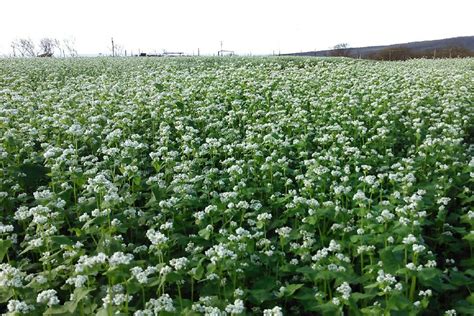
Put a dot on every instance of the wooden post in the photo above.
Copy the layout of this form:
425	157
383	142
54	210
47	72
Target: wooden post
113	48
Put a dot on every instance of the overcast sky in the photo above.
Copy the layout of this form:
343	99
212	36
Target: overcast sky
256	26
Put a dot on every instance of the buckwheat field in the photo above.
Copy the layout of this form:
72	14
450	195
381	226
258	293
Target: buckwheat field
236	186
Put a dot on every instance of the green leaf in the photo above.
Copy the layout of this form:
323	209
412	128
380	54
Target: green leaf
5	294
464	307
57	310
198	272
211	267
469	237
327	309
391	260
398	302
305	294
4	245
205	233
292	288
102	312
470	299
80	293
266	283
173	277
459	279
61	240
260	295
361	296
36	174
431	277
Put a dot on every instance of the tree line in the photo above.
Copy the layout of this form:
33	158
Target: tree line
46	47
401	53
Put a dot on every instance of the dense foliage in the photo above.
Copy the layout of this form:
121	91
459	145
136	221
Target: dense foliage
236	186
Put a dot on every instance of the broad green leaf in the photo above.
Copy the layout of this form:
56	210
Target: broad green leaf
292	288
4	245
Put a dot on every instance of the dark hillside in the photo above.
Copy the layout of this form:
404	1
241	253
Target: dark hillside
443	48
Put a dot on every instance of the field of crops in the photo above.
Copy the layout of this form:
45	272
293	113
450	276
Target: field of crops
236	186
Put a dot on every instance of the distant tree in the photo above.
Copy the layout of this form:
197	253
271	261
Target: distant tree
119	50
341	46
47	46
23	47
14	46
394	53
69	46
341	49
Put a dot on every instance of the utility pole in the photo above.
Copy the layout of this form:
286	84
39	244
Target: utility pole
113	48
220	50
199	52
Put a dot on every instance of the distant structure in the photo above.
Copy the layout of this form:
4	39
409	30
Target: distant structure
113	47
173	54
223	52
45	55
165	54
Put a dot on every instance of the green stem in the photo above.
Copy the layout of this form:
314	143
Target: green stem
412	288
180	297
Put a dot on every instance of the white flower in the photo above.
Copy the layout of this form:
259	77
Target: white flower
426	293
334	246
264	216
345	290
48	297
411	266
283	231
120	258
179	263
78	280
430	264
238	292
443	201
410	239
156	237
418	248
360	196
15	306
163	303
142	275
236	308
385	277
10	276
120	298
5	228
275	311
